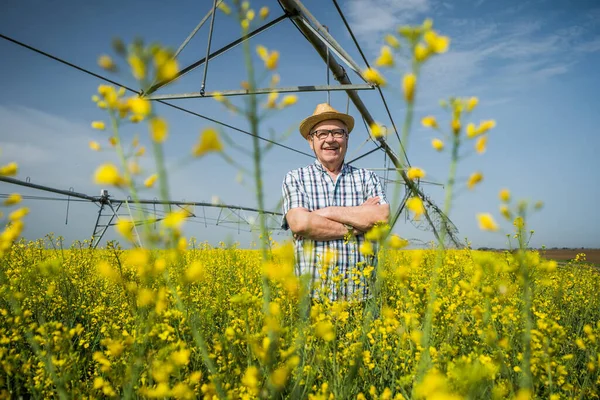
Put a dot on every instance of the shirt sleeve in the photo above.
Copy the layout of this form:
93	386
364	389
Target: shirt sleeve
294	196
374	187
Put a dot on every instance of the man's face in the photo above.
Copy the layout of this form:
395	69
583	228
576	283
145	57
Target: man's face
330	151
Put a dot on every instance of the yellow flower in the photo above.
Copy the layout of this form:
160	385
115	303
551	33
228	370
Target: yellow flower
279	377
373	76
125	228
486	126
139	106
175	219
140	152
472	103
486	222
366	248
396	242
437	144
504	195
429	122
275	80
519	223
505	211
159	130
224	8
408	87
378	130
108	174
392	41
250	15
262	52
271	100
9	169
113	141
12	199
181	357
421	52
288	100
415	204
107	63
415	173
471	130
271	62
324	330
250	379
480	144
264	12
195	272
438	44
455	125
98	125
151	180
18	214
474	179
138	68
94	145
386	58
209	141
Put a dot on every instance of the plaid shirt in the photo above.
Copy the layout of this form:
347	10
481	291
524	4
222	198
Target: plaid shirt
311	187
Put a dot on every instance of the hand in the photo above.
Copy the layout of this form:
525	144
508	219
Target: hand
372	201
297	237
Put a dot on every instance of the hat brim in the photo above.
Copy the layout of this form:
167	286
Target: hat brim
308	123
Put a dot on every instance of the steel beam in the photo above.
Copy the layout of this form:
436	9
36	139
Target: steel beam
291	89
214	54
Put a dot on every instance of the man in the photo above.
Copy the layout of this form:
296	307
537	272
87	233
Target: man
329	205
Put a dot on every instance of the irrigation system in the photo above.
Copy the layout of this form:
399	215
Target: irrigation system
333	55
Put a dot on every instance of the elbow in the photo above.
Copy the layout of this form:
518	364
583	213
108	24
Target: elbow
298	222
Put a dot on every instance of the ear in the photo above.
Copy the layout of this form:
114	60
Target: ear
310	142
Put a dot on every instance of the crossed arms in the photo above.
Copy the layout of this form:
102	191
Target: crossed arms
329	223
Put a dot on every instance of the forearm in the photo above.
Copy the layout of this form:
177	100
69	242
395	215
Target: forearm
362	217
310	225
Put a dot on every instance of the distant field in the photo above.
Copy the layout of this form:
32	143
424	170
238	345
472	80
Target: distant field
592	255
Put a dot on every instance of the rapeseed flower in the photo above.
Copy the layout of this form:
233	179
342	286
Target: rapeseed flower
437	144
159	129
486	222
504	195
108	174
409	83
392	41
12	199
138	67
264	12
415	204
151	180
480	145
415	173
208	141
429	122
386	58
107	63
373	76
474	179
288	100
98	125
94	145
9	169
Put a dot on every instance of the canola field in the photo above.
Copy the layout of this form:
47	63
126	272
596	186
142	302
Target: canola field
197	323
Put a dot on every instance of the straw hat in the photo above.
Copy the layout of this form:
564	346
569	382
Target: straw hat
324	112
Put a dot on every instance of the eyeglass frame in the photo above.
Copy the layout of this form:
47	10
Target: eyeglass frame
329	131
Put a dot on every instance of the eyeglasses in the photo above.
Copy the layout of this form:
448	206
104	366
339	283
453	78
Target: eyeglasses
322	134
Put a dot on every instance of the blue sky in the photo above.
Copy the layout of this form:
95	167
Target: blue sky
533	65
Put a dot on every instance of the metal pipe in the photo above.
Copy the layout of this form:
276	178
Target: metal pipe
210	32
291	89
196	29
216	53
49	189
